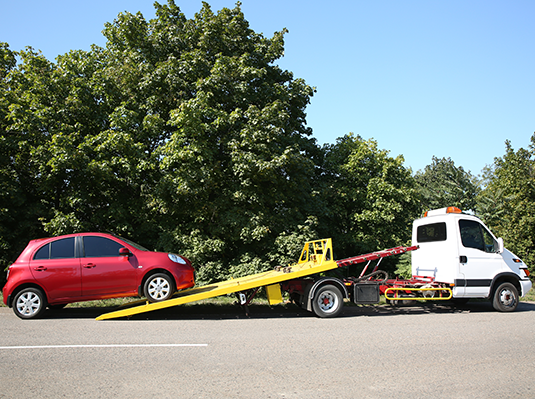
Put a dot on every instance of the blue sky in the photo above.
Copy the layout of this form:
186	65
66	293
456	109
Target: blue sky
444	78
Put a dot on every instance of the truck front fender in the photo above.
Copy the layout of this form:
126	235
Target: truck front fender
505	277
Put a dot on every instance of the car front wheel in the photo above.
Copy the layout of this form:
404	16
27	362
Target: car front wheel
159	287
29	303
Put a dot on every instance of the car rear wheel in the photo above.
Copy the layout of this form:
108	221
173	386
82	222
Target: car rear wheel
29	303
159	287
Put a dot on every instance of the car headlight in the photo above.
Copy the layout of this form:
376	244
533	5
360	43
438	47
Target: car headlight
177	259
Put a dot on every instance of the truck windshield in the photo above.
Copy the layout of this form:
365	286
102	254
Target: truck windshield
474	235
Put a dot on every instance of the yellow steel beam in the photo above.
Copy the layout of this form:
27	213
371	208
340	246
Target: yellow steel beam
316	257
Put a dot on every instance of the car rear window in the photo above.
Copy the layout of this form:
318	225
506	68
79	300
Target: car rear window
431	232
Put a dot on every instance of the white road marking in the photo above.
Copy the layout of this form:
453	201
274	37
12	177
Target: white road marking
103	346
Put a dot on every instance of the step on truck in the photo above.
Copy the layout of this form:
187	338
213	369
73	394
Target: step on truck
454	255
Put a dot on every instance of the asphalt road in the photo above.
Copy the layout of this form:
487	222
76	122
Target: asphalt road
368	352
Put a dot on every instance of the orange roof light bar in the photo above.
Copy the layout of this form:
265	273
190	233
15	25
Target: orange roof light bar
442	211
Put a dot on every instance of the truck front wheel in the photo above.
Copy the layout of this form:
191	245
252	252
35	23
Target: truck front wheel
505	298
328	301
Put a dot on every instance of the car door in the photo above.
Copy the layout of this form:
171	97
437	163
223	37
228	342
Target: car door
105	273
56	268
479	259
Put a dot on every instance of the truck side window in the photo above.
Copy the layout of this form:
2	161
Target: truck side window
431	232
474	235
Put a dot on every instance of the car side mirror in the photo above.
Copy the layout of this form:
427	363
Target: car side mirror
125	252
500	245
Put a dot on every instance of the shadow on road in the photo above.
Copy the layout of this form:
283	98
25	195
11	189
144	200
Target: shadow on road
222	312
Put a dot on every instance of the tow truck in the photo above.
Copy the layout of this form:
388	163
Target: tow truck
454	257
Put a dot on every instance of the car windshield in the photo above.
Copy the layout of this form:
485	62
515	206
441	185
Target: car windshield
132	243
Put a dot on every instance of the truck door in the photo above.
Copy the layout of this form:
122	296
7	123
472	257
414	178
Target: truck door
479	260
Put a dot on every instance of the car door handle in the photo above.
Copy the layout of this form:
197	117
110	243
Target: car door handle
463	259
40	268
89	266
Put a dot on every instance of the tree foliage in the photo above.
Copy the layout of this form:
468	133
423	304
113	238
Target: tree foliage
180	133
372	198
443	184
508	201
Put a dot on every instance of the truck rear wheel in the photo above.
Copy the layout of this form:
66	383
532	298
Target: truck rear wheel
328	301
505	298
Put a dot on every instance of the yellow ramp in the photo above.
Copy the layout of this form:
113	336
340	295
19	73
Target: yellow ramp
316	257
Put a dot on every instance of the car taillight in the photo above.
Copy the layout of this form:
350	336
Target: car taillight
527	272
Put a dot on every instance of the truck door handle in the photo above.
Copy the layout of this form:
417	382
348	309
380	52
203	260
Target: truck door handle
89	266
463	259
40	268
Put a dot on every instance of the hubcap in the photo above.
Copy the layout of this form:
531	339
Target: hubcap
507	298
159	288
28	304
327	301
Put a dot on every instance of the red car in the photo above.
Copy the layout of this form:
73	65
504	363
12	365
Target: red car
87	266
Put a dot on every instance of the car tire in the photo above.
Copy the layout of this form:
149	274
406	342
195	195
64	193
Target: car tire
328	301
505	298
159	287
29	303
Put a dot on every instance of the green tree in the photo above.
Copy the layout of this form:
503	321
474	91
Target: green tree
507	203
443	184
20	206
372	197
180	133
238	165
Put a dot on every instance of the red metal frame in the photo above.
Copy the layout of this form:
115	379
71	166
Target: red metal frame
413	282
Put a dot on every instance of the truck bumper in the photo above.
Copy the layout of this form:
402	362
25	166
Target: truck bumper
526	286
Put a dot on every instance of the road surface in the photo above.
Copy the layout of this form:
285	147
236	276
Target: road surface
414	351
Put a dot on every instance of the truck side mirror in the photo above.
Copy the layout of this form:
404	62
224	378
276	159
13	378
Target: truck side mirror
500	245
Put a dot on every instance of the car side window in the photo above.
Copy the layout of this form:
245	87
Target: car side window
474	235
60	249
99	247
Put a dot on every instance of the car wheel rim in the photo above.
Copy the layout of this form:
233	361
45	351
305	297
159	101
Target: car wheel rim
28	304
327	302
159	288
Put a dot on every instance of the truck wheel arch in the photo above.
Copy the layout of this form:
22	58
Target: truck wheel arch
504	278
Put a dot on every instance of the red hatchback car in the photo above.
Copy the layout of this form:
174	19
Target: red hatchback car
87	266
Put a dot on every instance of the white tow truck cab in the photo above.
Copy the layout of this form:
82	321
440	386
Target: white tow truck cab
459	250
